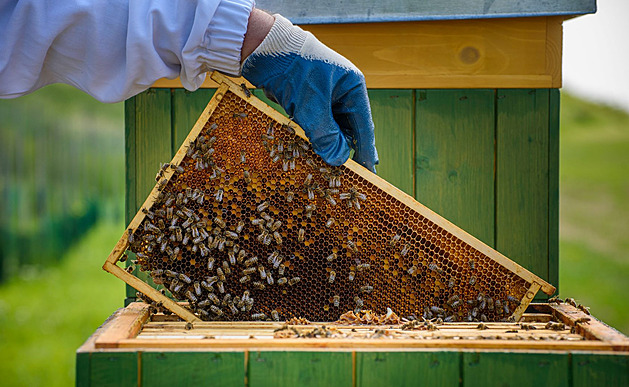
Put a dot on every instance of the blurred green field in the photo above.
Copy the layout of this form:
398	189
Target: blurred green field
594	209
47	313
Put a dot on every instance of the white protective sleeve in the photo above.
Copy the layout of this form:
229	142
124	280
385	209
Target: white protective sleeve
114	49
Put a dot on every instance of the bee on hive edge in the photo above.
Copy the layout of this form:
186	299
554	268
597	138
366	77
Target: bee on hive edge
245	90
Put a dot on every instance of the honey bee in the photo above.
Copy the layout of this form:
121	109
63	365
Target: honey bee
251	261
269	278
220	274
290	196
184	278
472	280
259	285
366	289
337	301
197	288
300	235
451	282
352	246
221	286
330	222
331	257
123	258
240	115
244	279
282	281
262	272
294	281
262	206
412	270
258	316
241	256
395	239
404	250
247	176
352	275
363	266
226	269
331	276
191	296
472	264
277	237
245	90
275	315
359	301
216	310
218	196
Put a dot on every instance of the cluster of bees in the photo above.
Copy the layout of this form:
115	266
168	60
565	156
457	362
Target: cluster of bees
252	225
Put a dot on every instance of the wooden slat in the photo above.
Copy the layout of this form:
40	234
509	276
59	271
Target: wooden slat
590	369
392	112
553	187
114	369
345	344
522	178
186	107
524	303
515	369
454	145
592	328
193	369
279	369
407	368
126	325
488	53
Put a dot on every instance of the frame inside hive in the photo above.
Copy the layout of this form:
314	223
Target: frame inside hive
440	261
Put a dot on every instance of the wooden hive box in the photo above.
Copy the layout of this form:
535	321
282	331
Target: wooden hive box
465	99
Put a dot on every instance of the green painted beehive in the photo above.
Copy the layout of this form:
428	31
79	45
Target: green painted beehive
465	101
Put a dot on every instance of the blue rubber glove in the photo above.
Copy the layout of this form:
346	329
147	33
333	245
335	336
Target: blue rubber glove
323	92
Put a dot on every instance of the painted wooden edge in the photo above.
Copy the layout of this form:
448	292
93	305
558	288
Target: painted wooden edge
524	303
150	292
553	186
397	193
554	49
590	327
404	80
356	344
126	325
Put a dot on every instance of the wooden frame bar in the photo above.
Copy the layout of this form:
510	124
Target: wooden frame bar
227	84
128	327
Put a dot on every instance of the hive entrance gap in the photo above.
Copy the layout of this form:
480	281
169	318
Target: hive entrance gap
248	223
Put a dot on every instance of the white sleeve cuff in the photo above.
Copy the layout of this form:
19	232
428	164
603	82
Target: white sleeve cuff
221	44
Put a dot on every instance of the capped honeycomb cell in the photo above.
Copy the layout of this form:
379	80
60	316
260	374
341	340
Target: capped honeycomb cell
248	223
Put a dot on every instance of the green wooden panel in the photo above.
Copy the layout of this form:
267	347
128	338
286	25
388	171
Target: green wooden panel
279	369
260	94
426	368
511	369
454	157
116	369
130	165
600	370
522	193
392	112
187	107
153	145
193	369
553	188
82	372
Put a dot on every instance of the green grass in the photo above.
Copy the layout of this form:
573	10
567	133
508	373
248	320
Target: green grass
594	209
46	314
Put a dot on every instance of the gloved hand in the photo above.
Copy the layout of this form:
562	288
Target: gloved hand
323	92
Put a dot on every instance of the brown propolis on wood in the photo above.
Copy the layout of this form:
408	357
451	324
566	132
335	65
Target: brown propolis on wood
429	251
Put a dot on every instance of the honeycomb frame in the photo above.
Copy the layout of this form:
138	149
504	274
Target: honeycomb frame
422	261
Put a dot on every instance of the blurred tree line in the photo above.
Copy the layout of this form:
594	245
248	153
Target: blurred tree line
61	169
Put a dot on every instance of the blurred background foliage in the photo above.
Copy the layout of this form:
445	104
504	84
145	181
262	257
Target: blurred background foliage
61	213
